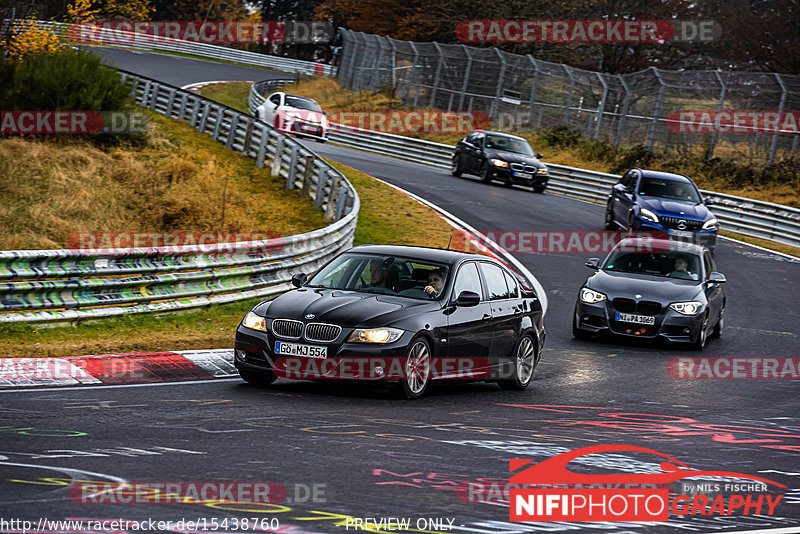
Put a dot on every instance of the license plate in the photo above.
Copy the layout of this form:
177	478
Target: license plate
309	128
296	349
638	319
681	234
525	175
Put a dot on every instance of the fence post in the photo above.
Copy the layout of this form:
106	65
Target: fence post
466	78
436	76
218	123
625	104
412	79
308	172
599	117
565	120
322	181
659	99
498	92
781	107
394	62
248	136
532	99
232	131
721	102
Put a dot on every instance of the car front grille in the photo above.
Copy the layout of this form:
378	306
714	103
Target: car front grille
675	222
521	167
623	305
287	328
322	332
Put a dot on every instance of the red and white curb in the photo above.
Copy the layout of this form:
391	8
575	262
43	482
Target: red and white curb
117	368
199	85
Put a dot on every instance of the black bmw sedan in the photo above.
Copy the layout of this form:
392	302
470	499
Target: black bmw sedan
652	288
409	315
500	156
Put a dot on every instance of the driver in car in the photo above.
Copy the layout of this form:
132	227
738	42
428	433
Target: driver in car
435	283
681	270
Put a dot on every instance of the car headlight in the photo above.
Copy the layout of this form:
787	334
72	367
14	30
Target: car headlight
648	215
687	308
499	163
541	171
375	335
710	224
591	297
254	322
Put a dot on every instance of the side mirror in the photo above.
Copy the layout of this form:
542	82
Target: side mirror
593	263
467	299
324	112
709	201
299	279
539	155
717	278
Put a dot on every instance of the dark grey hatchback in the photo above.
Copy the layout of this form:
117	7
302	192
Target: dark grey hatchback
409	315
652	288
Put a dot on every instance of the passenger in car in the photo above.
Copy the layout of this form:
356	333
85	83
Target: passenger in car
435	283
381	277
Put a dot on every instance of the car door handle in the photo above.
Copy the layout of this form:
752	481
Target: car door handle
487	316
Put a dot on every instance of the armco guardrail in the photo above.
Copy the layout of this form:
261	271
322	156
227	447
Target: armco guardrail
142	41
63	285
265	87
745	216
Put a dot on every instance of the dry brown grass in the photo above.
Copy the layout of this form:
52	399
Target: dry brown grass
177	181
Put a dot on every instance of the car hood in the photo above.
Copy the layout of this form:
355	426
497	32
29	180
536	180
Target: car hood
344	308
660	289
513	157
676	208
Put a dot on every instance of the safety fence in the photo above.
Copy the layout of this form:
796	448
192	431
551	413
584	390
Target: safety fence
755	218
144	41
65	285
525	93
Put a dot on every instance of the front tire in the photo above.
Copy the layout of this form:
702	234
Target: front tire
577	333
717	332
258	379
416	370
524	364
485	173
700	342
455	168
609	220
538	188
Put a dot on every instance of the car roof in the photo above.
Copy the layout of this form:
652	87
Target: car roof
502	134
646	173
644	243
423	253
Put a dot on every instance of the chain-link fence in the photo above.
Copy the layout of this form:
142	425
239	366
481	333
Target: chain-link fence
648	107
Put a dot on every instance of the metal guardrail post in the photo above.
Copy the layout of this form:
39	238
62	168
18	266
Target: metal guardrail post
262	148
217	122
308	173
330	209
232	131
322	183
292	167
277	161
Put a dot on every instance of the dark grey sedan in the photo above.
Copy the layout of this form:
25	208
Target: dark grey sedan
652	288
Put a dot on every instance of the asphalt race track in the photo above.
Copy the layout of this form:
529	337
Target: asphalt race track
344	453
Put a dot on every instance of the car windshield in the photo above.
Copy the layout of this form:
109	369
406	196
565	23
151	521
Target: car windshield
302	103
388	275
669	189
668	264
508	144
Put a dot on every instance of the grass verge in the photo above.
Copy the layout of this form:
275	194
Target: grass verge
386	216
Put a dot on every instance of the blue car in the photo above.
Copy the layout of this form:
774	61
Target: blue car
662	203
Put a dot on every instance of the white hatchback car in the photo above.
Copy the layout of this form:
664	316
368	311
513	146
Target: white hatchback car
296	115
